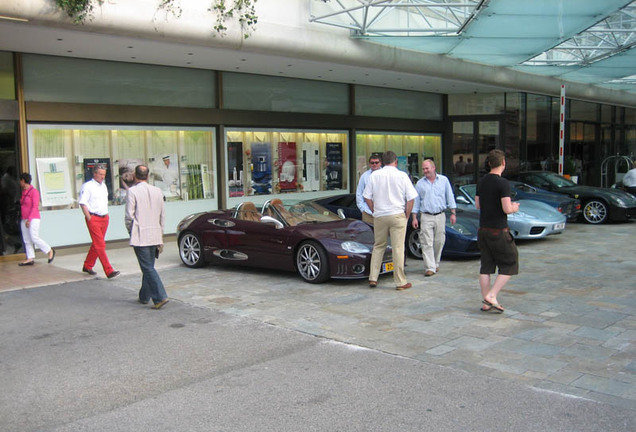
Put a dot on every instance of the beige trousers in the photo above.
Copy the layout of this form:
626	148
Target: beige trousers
383	227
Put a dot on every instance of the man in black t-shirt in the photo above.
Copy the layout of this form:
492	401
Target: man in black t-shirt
498	249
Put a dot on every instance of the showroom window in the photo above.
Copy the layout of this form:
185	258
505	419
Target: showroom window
277	162
411	150
61	158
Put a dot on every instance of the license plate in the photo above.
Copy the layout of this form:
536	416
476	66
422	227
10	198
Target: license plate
387	267
559	226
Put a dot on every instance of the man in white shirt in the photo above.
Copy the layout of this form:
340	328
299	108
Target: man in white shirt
629	180
94	204
435	196
374	164
389	194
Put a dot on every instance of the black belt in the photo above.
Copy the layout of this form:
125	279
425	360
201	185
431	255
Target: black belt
433	214
98	215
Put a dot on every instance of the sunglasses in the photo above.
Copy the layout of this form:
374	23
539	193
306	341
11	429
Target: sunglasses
374	163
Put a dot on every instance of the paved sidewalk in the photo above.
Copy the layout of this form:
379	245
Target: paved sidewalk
569	326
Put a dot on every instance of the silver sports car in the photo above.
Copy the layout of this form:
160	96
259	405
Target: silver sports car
534	219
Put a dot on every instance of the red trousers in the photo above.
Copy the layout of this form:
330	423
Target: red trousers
97	227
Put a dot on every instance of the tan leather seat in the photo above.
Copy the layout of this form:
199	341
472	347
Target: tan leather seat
248	212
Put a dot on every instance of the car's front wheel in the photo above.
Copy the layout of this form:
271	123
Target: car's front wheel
312	262
191	250
413	245
595	212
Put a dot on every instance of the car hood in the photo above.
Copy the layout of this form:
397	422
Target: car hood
531	209
590	191
343	230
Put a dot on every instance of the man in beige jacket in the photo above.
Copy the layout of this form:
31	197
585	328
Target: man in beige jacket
145	218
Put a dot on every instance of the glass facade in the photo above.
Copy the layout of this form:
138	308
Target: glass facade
309	154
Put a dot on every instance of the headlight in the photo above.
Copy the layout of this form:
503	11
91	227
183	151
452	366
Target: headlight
618	201
355	247
185	222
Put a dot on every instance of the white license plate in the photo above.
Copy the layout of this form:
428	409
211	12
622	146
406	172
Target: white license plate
559	226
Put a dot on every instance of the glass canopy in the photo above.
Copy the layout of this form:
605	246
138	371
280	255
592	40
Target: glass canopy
588	41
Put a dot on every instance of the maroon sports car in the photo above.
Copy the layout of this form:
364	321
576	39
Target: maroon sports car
301	236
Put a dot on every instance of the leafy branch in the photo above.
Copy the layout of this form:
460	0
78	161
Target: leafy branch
78	10
243	10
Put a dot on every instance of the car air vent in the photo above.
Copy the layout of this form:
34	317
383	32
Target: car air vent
536	230
221	222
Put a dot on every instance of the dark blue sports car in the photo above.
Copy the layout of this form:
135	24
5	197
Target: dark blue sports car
570	207
461	238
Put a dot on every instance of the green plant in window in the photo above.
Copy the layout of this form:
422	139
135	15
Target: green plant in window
172	7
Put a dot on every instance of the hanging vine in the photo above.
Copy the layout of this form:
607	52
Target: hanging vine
78	10
244	11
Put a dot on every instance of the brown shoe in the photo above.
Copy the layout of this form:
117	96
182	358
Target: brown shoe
429	273
160	304
437	270
373	284
405	286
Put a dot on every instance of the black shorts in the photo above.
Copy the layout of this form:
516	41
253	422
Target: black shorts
498	250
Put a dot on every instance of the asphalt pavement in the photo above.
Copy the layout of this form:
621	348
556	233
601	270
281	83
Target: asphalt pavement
253	350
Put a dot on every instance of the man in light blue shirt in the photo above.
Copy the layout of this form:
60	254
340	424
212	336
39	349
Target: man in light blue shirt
435	196
367	214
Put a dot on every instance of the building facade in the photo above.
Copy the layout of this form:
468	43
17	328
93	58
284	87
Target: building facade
212	137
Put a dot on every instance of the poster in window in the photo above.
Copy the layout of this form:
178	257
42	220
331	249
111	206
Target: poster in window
235	168
311	167
287	166
126	177
402	164
414	165
334	166
261	168
55	181
165	173
89	163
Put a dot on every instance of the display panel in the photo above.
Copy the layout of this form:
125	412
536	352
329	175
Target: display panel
179	160
269	162
411	151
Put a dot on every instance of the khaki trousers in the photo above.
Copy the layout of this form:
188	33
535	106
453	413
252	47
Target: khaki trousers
383	227
432	239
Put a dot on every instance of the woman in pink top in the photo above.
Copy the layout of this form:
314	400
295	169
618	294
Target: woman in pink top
29	204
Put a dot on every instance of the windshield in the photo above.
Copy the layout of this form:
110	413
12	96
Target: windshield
297	213
557	180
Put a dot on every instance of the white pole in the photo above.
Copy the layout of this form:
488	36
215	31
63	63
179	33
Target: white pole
561	129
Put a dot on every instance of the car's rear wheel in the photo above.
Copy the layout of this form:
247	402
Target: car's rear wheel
312	262
191	250
413	245
595	212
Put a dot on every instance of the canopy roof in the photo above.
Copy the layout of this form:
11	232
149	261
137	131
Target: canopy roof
585	41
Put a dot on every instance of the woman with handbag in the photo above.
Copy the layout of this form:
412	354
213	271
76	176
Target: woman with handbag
30	224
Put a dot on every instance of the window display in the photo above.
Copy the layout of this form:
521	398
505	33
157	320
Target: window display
264	162
411	151
179	161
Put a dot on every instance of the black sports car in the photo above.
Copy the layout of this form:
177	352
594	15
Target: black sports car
299	236
599	204
461	238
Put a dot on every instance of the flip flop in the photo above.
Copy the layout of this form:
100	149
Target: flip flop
499	308
487	308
